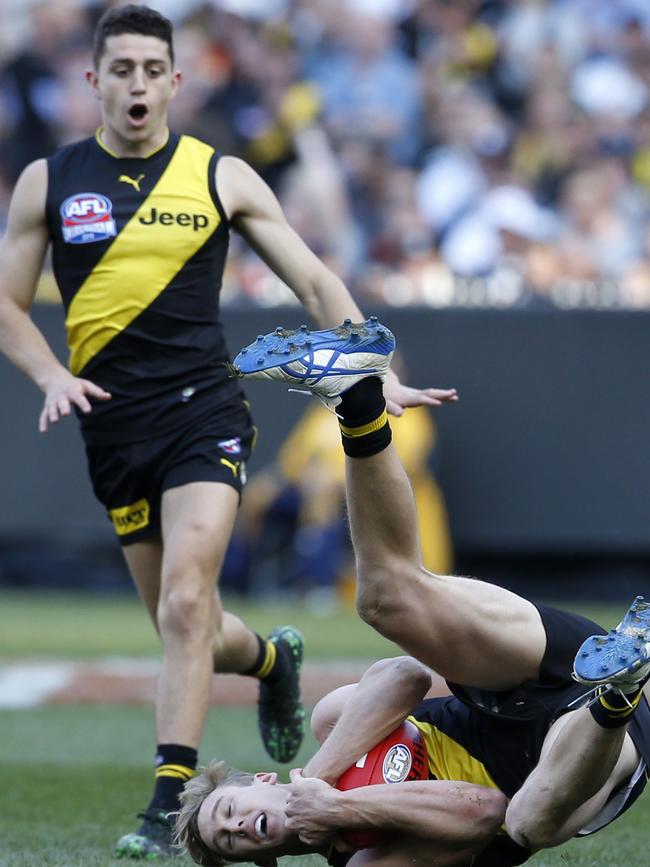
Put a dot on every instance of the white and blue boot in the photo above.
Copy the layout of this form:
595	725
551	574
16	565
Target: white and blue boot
620	660
327	363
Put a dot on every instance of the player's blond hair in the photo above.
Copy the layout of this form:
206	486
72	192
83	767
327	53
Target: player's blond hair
186	834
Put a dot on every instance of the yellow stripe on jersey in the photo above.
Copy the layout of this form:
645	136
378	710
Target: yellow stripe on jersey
448	760
172	224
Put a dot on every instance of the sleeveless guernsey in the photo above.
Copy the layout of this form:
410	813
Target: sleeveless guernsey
138	251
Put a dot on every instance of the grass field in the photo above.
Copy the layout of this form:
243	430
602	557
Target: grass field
91	626
73	777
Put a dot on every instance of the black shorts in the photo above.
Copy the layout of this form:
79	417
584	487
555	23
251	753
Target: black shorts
130	479
511	726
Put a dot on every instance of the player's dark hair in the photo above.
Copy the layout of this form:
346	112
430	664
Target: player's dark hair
131	19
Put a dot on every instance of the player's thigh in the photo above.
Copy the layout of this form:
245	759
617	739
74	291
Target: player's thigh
201	487
197	522
468	631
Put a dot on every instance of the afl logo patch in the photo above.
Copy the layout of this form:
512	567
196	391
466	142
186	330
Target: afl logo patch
87	217
231	447
397	764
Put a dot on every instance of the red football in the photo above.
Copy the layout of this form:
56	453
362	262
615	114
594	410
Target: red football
401	756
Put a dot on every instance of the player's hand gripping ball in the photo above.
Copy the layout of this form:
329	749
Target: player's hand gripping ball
400	757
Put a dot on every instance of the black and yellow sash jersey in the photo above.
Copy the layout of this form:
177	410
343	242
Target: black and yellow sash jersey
464	744
138	250
454	743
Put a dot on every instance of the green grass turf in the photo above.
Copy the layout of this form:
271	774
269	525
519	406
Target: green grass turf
74	777
91	625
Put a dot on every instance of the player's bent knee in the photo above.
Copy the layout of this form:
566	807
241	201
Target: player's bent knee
389	599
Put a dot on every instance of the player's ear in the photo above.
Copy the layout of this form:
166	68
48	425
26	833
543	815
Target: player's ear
93	81
269	777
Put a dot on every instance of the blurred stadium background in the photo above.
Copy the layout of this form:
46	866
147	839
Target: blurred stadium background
479	174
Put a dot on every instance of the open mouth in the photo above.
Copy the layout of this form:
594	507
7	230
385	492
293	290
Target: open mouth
261	826
138	112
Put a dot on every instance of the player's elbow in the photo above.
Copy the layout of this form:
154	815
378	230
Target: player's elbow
534	832
486	813
496	808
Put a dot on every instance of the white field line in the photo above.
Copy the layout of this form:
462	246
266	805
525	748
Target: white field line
27	685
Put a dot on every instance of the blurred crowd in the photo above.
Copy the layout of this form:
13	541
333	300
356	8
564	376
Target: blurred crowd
437	152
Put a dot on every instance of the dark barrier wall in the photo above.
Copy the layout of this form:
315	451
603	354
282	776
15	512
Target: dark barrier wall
547	450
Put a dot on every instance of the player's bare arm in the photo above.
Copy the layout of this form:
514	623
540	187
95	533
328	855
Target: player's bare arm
351	720
22	250
256	214
452	816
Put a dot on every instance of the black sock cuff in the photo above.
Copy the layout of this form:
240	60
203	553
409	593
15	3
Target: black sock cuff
363	420
259	659
612	711
369	444
362	403
175	765
176	754
271	664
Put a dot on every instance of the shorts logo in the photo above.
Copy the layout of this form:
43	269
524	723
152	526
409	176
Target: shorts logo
128	519
231	447
397	764
87	217
237	468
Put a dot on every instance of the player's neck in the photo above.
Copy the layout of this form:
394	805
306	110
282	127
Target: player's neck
120	147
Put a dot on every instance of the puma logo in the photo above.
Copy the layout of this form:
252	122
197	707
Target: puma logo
232	466
134	182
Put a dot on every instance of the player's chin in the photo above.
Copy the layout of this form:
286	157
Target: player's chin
136	134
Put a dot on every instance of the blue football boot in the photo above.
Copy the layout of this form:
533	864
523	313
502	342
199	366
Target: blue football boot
621	659
327	363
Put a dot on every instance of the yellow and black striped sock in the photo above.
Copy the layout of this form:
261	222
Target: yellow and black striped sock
612	709
363	420
175	765
271	664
